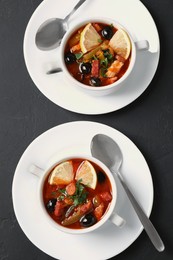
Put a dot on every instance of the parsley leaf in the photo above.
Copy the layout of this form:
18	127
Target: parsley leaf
103	72
79	55
108	55
61	197
100	40
80	195
104	62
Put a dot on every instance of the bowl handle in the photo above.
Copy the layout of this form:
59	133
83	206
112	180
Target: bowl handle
117	220
142	45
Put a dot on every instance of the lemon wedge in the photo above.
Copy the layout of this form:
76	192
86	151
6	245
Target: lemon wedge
121	43
89	38
62	174
87	174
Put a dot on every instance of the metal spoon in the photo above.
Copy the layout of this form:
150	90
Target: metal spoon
106	150
51	32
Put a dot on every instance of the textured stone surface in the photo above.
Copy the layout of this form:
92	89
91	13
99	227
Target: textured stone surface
148	122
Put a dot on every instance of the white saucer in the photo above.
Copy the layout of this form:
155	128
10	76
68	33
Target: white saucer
109	240
57	88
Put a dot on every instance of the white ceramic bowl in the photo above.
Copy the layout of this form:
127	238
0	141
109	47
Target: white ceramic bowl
110	214
104	90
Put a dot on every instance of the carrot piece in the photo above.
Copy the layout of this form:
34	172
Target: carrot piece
68	201
71	188
75	48
97	27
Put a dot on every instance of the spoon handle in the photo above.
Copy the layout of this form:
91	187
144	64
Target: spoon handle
74	9
148	226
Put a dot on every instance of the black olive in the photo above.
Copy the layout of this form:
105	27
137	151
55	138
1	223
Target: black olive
70	58
101	177
88	220
51	205
85	68
94	81
107	32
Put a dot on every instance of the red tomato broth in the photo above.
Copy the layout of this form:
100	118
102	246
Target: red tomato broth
50	192
74	67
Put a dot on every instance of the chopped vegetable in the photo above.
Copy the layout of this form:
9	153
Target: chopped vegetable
100	55
75	48
111	80
87	207
59	208
69	211
106	196
120	58
75	39
71	188
72	219
114	69
79	55
81	211
97	27
95	68
91	53
98	212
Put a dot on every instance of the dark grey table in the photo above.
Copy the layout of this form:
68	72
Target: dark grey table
25	113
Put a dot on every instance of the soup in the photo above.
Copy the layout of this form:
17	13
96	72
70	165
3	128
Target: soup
95	54
77	193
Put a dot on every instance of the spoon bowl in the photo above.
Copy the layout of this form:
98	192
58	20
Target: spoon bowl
51	32
102	145
107	151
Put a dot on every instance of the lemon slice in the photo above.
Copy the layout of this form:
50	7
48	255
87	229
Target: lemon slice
89	38
121	44
87	174
62	173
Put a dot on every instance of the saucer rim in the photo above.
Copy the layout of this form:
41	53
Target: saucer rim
78	123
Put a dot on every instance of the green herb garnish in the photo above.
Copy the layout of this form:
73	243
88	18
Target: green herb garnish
104	62
103	72
63	191
80	195
79	55
94	57
54	193
78	198
100	40
108	55
61	197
